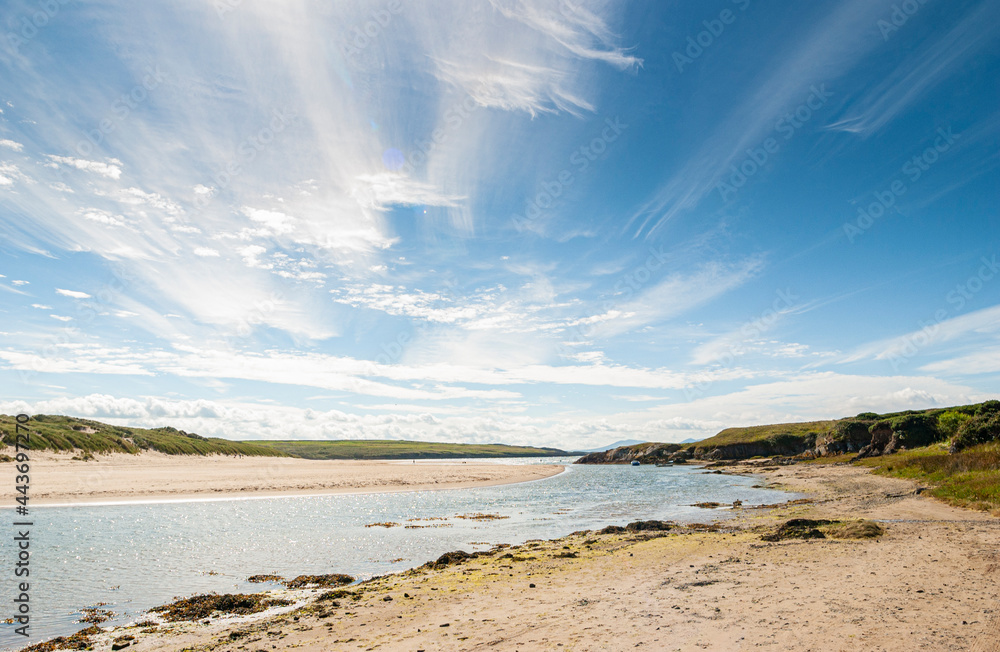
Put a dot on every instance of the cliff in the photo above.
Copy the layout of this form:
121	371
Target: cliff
865	435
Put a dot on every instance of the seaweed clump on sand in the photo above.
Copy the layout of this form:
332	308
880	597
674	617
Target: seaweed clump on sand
798	528
804	528
203	606
258	579
479	516
453	557
332	579
79	641
638	526
649	526
855	530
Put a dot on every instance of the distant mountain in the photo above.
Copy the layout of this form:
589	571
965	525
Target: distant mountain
623	442
688	441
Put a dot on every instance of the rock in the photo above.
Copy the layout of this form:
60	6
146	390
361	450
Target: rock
798	528
453	557
649	526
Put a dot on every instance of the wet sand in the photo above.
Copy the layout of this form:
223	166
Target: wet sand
931	582
57	479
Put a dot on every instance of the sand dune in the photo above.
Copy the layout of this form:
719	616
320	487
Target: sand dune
56	479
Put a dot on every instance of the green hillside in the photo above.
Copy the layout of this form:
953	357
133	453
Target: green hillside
961	426
87	437
59	433
757	434
380	449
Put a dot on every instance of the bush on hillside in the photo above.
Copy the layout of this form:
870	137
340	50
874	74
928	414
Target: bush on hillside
914	430
852	430
982	428
949	422
987	408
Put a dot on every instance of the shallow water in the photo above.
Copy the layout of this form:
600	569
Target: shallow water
140	555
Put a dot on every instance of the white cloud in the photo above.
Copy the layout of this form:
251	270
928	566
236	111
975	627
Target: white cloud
926	66
837	42
61	317
384	190
41	306
9	173
275	221
110	170
73	294
206	252
10	144
933	333
102	217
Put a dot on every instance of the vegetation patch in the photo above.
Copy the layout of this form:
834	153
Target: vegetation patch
257	579
332	579
203	606
482	517
969	478
383	524
854	530
707	505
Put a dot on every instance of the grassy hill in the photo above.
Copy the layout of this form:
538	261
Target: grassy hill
59	433
87	437
380	449
758	434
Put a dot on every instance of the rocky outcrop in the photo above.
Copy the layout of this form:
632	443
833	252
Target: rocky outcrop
642	453
867	435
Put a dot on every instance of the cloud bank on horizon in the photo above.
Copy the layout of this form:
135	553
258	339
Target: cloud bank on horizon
560	223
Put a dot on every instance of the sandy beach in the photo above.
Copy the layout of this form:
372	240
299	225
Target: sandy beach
57	479
930	582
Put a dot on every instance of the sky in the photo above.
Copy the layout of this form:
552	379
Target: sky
557	223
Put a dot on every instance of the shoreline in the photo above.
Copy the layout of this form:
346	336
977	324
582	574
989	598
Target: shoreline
929	581
122	479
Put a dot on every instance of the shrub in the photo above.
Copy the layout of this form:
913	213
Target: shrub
852	431
949	422
987	408
982	428
913	430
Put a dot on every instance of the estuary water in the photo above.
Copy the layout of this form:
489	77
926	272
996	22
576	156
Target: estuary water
136	556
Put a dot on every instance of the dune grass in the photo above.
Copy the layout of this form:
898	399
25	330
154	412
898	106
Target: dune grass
970	478
69	434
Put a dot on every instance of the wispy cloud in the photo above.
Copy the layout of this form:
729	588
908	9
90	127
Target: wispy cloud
819	55
926	67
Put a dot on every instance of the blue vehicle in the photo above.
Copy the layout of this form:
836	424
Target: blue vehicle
635	462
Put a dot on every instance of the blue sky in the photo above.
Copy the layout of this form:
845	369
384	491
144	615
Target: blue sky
554	223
